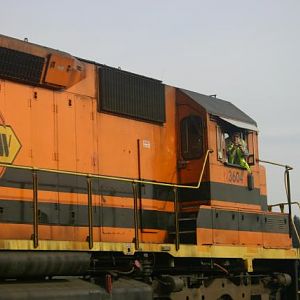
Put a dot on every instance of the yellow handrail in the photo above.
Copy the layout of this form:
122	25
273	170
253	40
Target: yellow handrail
115	177
90	204
281	205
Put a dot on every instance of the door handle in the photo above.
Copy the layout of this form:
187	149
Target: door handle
182	164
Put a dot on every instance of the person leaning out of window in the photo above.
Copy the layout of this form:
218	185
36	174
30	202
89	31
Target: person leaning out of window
237	151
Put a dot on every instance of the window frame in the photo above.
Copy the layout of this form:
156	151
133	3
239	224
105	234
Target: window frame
185	136
221	144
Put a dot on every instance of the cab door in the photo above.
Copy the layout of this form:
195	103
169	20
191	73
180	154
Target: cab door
192	144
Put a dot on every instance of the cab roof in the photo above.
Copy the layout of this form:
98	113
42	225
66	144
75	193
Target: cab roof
222	109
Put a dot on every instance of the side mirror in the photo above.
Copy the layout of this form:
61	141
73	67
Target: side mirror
251	160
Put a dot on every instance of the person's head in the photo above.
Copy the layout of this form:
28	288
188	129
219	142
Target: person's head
235	137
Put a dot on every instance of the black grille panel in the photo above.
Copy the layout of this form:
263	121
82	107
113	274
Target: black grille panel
276	224
131	95
20	66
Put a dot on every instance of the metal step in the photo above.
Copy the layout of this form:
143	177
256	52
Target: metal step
187	232
184	214
187	224
188	237
183	232
187	219
185	237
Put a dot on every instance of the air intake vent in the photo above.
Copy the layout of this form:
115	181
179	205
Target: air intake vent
276	224
20	66
131	95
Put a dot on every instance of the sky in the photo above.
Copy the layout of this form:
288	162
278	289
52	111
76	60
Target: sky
246	52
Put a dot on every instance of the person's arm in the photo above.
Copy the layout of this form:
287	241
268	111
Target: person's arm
243	147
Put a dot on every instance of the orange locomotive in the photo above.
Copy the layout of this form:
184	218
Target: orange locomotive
119	177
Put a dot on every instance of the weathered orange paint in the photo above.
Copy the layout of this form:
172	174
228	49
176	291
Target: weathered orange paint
64	130
247	238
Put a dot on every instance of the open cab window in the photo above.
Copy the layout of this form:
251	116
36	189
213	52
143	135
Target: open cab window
235	146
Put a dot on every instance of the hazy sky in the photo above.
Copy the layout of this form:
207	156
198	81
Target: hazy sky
246	52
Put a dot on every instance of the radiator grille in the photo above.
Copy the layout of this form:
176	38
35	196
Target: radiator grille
131	95
20	66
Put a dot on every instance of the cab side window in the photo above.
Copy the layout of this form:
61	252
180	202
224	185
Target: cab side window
233	146
191	137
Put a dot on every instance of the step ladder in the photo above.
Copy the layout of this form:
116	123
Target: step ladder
187	228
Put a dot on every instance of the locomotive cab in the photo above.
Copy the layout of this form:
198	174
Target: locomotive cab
208	123
230	206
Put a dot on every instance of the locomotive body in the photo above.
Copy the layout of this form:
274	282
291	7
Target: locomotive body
123	179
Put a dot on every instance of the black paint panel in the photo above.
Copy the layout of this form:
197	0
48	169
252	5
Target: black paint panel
77	184
21	212
22	179
203	193
223	219
242	221
275	223
205	218
223	192
252	221
234	193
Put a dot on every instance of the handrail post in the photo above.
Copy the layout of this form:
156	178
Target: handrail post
35	209
90	211
288	191
135	216
176	207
